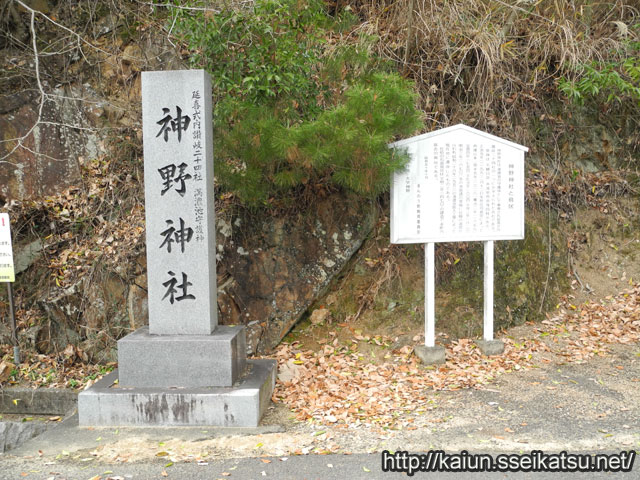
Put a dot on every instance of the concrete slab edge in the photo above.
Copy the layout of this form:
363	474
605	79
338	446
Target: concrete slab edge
37	401
239	406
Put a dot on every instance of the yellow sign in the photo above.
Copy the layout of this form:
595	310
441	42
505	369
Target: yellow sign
7	273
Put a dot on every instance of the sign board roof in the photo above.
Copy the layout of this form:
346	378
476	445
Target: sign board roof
462	129
461	184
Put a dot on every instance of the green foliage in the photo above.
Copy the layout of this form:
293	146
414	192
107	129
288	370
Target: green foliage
268	50
346	144
607	81
295	107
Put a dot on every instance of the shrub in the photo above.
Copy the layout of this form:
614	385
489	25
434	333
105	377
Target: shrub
296	104
261	52
611	82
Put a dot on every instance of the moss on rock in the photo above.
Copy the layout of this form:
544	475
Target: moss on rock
527	281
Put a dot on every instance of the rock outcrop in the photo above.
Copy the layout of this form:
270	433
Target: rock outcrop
46	145
271	271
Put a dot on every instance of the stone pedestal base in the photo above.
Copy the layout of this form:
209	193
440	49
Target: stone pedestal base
430	355
146	360
109	404
490	347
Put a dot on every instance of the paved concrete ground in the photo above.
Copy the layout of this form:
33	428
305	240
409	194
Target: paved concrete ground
591	408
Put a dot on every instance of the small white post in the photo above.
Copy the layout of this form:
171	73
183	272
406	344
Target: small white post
429	296
488	290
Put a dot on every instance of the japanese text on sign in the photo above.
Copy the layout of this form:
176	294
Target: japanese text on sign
458	187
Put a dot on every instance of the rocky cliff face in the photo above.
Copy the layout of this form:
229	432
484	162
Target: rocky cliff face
42	143
272	270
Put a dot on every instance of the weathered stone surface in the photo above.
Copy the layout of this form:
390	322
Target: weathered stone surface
6	368
215	360
290	371
490	347
63	312
134	57
14	101
37	401
137	306
13	434
271	271
49	161
85	314
594	148
319	316
26	255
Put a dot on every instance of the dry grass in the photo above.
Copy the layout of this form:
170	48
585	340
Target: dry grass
493	62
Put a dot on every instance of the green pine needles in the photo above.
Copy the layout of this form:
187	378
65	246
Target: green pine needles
295	105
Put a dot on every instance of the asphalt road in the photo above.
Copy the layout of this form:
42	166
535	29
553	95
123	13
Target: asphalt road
352	467
590	408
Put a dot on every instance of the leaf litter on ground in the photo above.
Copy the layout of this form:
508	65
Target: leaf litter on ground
338	386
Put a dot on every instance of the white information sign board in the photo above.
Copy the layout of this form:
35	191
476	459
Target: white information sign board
7	272
461	184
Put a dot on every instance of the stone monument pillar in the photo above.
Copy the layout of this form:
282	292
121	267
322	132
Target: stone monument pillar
183	369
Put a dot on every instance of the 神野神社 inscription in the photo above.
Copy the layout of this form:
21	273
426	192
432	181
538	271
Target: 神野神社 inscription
179	211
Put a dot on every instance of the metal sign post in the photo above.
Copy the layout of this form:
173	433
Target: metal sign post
429	293
488	291
14	330
429	296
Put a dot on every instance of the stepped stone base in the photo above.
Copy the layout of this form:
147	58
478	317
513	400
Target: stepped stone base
146	360
109	404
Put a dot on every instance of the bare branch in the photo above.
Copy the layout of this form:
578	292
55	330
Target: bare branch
43	96
78	37
181	7
19	143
